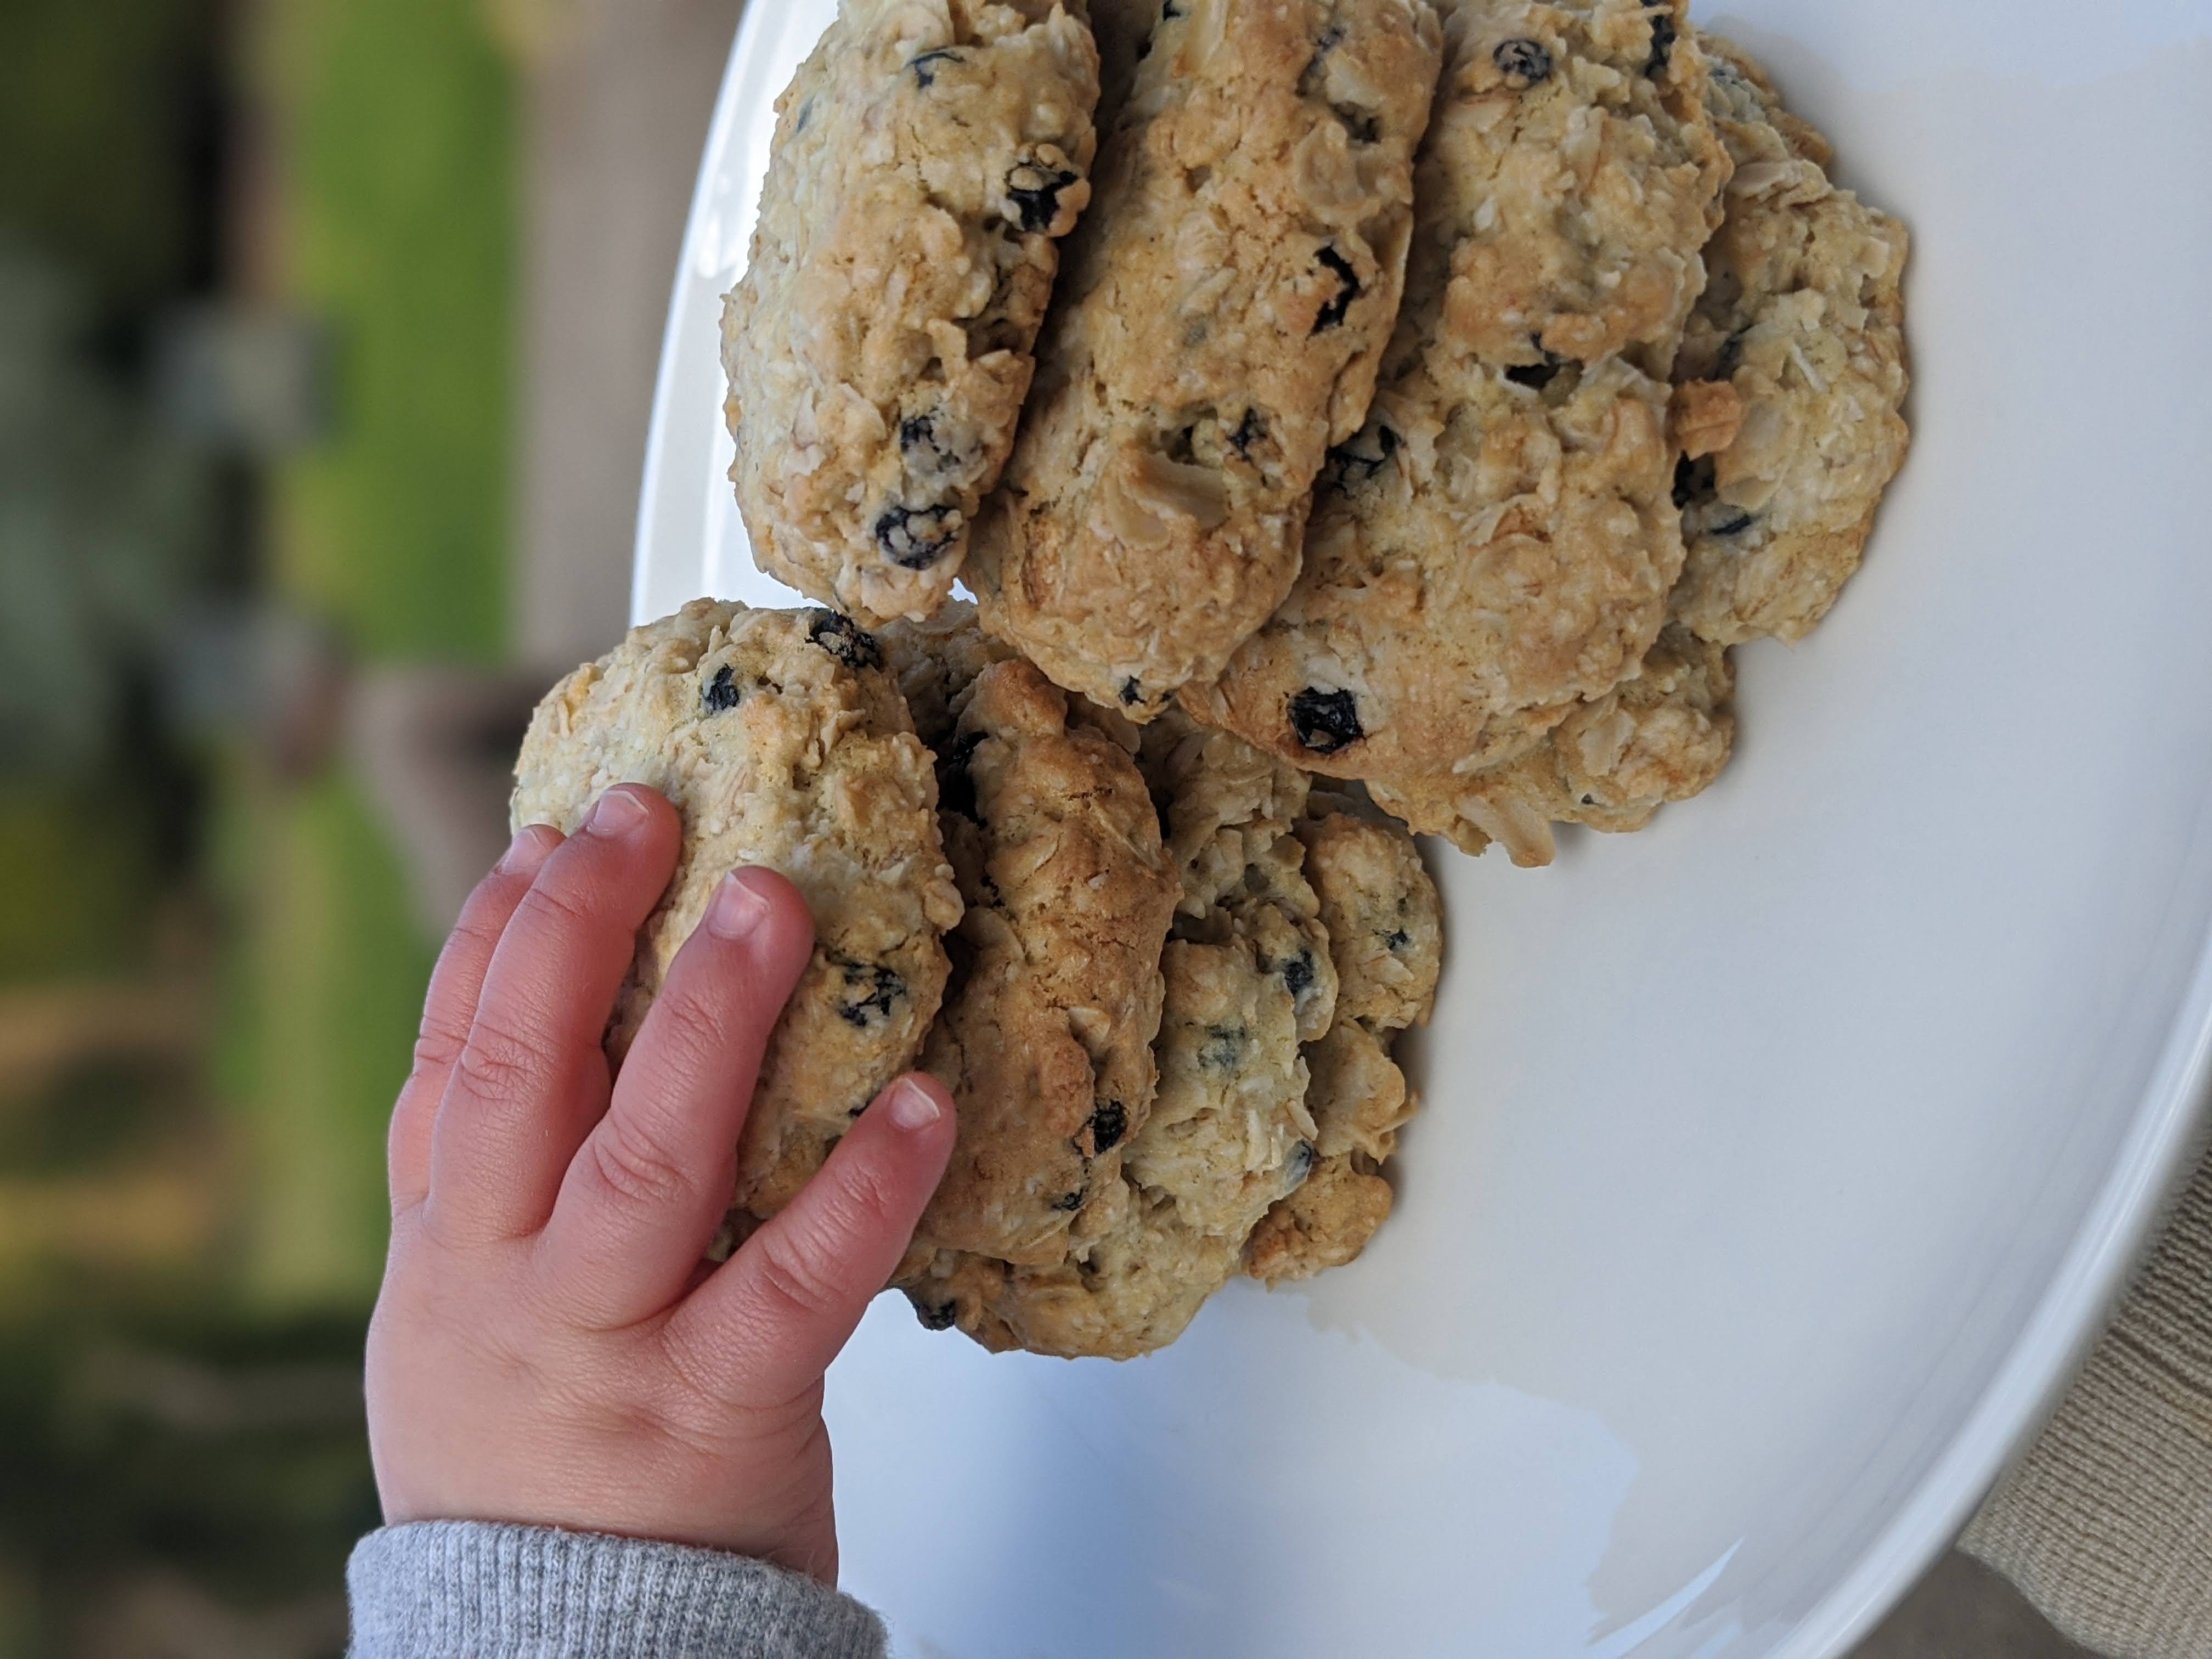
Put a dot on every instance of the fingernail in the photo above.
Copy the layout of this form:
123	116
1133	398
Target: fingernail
911	1106
525	851
616	813
737	907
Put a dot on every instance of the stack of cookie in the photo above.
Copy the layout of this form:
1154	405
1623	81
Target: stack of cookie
1431	407
1175	988
1159	972
1427	398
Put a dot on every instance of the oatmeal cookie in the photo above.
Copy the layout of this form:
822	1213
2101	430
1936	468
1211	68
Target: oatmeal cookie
1046	1038
935	661
1270	1075
1384	920
1587	171
1384	925
1794	377
1229	1135
1223	313
1663	735
926	158
1498	543
1481	559
1230	812
1135	1290
781	741
1787	424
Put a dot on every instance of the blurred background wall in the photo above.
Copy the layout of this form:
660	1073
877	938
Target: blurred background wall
327	332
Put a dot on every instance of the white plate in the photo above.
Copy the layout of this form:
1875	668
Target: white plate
1776	1161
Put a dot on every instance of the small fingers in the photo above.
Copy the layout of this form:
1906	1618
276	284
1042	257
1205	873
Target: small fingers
767	1324
533	1077
641	1203
451	1006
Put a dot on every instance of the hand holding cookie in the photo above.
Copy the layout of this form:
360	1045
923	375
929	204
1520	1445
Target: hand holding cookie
548	1347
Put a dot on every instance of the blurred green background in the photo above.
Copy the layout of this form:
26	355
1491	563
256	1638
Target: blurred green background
257	305
328	331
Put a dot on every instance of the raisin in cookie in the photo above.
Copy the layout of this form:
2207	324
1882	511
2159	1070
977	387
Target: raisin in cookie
1222	316
1384	924
1795	376
1046	1034
927	157
1498	543
781	741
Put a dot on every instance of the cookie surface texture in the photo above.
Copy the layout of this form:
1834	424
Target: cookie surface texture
1221	319
936	661
781	741
927	157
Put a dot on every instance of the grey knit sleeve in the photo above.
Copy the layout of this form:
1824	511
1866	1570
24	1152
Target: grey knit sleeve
460	1590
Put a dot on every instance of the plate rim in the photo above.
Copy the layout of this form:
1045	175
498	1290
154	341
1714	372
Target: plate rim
2173	1120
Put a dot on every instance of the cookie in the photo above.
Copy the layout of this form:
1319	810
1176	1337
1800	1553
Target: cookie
935	660
1383	915
1664	735
1134	1291
1384	924
1221	319
1261	1066
1784	428
1231	812
1229	1135
1325	1223
1588	168
927	157
1498	543
1484	556
1794	377
1046	1036
781	741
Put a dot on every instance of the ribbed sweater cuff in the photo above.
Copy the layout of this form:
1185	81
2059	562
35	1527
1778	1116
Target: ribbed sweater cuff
456	1589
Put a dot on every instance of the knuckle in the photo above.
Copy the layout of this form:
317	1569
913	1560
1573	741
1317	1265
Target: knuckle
437	1049
553	906
632	1163
864	1200
797	1283
689	1032
496	1063
477	934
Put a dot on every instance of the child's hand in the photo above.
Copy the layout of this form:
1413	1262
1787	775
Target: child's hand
547	1348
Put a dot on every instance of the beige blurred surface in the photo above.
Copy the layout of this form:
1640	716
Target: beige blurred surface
620	92
617	98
